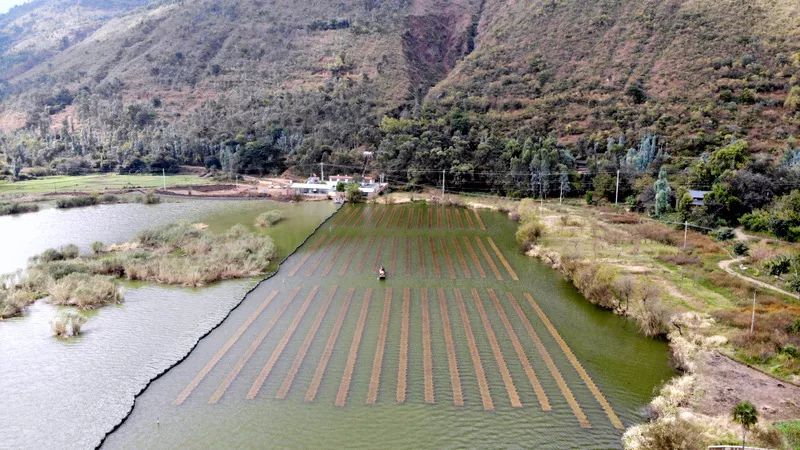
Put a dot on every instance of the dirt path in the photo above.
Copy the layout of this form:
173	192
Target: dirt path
727	382
726	266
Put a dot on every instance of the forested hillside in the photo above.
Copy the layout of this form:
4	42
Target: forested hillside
519	97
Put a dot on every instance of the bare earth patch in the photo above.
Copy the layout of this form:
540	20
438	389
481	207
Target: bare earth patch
727	382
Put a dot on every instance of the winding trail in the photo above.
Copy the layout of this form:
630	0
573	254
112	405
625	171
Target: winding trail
726	266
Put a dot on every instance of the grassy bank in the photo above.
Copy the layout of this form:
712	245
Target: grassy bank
179	254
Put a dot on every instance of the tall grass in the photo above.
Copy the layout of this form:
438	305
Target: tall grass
84	291
17	208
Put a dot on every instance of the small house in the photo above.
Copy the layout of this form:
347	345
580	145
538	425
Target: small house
698	197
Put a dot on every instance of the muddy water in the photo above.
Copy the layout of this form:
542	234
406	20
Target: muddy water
467	343
68	394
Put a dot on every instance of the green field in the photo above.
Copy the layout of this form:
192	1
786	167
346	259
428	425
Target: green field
96	183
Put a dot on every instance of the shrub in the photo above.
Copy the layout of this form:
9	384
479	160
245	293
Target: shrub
353	193
70	251
98	247
529	233
49	255
724	234
17	208
794	282
108	198
740	248
794	327
84	291
76	202
67	324
778	265
150	198
269	218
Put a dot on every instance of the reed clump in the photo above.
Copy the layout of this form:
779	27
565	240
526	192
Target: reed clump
67	324
84	291
14	208
269	218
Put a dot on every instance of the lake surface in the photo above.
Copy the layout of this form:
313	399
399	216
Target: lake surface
69	394
468	343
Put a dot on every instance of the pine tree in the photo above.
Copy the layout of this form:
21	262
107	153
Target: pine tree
662	192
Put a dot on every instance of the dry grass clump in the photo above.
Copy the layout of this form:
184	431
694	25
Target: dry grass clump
13	300
681	259
621	219
530	228
182	254
67	324
84	291
269	218
655	232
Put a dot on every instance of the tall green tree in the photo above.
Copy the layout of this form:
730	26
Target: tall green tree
662	192
746	415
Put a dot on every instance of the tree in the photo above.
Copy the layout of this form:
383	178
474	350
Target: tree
353	193
662	192
745	414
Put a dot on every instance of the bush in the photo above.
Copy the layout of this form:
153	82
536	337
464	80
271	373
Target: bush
740	248
84	291
529	233
269	218
70	251
49	255
76	202
98	247
353	193
794	327
17	208
724	234
108	198
778	265
67	324
150	198
794	282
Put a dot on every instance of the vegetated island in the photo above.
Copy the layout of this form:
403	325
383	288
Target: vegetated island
179	254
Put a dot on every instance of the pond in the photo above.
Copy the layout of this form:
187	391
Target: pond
467	343
69	394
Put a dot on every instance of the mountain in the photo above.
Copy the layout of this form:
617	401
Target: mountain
307	80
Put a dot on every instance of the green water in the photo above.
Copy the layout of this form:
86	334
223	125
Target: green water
344	255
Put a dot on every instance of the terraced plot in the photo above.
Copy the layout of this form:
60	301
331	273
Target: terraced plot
462	330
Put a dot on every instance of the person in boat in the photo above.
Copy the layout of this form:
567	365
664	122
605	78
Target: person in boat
382	273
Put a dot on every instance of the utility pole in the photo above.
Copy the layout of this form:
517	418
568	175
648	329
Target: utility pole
322	171
616	195
164	178
443	171
685	232
753	316
561	191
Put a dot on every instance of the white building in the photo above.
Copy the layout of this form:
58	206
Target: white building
315	186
